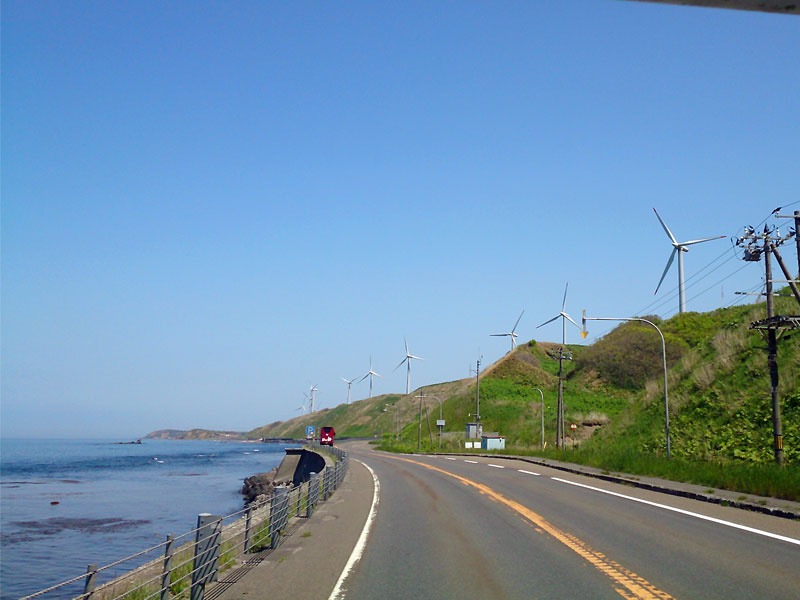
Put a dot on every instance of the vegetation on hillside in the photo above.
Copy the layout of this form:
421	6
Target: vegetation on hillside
719	400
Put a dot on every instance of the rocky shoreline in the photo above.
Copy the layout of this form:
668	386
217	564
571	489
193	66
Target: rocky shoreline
259	487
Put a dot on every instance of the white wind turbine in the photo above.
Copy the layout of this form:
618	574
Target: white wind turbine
350	382
314	388
679	248
511	333
409	357
370	374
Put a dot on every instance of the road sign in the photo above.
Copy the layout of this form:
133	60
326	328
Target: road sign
573	427
309	432
440	422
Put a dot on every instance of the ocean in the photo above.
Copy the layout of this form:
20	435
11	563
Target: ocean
67	503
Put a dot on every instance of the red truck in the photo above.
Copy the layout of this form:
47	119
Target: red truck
326	435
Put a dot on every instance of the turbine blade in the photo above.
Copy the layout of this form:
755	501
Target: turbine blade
571	321
564	303
513	329
550	321
379	375
415	357
406	343
669	264
400	365
664	225
498	334
716	237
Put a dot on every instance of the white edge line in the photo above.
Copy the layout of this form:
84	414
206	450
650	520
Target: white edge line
358	550
496	466
474	462
449	458
527	472
685	512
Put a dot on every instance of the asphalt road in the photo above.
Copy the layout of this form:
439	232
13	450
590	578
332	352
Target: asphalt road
484	528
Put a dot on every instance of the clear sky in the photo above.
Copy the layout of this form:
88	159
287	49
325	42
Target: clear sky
209	206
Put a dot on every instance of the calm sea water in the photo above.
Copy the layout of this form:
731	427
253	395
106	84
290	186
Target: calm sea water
112	500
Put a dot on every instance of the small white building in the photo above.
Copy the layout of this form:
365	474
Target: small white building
493	441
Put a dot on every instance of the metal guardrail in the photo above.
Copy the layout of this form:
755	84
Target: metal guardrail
182	566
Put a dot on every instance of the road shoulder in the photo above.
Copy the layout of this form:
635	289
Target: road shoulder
308	562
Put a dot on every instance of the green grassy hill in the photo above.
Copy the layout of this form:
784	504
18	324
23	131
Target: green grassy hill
718	381
720	411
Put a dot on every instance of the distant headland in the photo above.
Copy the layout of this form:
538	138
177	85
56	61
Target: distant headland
195	434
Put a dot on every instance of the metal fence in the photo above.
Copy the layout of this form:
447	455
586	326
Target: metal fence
183	566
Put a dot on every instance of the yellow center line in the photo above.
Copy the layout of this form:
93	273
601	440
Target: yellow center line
634	586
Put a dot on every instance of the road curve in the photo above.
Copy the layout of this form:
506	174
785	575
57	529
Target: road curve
469	527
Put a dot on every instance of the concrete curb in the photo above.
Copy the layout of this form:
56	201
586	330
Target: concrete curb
664	489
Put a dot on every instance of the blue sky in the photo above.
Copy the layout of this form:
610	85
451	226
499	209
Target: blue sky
208	207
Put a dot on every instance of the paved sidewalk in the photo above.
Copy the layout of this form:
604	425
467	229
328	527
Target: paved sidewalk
309	561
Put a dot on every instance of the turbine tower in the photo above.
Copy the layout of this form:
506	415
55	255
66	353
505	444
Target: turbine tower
409	357
562	354
370	374
511	333
349	382
679	248
314	388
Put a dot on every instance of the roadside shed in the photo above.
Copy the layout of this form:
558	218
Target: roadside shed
493	441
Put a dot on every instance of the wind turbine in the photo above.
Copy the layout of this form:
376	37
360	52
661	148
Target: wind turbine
561	356
314	388
349	382
679	248
511	333
370	374
409	357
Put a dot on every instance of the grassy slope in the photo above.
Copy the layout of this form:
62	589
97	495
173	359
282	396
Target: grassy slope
720	413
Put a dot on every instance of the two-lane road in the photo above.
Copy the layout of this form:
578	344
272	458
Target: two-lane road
467	527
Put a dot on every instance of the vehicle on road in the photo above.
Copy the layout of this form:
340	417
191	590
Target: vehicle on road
326	436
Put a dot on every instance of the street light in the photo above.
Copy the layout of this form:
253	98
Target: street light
663	353
542	395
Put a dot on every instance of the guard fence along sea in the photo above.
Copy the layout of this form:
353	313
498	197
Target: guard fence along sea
70	503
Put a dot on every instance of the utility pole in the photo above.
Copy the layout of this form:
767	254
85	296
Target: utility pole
774	325
478	397
419	421
561	356
772	360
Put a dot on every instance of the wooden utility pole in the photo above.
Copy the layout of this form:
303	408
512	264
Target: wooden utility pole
774	325
772	360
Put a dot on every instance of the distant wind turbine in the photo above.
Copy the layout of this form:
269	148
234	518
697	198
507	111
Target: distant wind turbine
314	388
409	357
349	382
679	248
511	333
370	374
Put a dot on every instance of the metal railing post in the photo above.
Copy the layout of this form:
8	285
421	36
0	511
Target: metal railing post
313	490
166	572
89	584
279	512
299	498
247	518
206	553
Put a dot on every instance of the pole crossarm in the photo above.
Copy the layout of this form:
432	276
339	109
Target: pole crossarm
777	322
